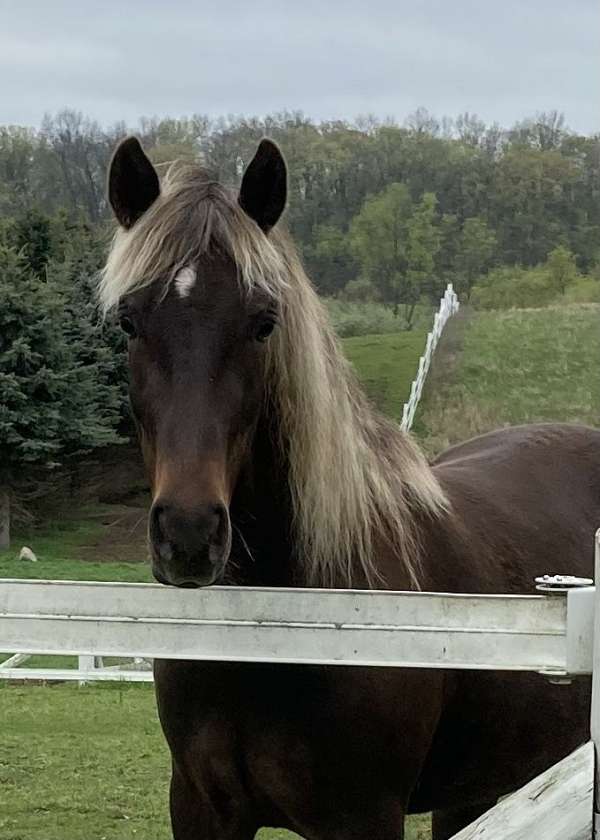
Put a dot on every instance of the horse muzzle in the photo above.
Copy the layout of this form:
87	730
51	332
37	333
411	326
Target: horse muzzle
189	548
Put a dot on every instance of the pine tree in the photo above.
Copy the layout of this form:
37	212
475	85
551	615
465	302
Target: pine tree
32	234
54	401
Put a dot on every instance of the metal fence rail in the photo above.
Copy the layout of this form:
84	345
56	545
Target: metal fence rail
552	634
449	305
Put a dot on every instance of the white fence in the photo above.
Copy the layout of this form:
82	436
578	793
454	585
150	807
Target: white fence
334	627
555	634
448	306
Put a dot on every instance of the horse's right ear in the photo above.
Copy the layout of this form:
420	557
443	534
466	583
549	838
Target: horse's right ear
133	184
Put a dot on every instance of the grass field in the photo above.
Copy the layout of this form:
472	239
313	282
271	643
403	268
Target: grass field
386	365
59	547
503	368
89	763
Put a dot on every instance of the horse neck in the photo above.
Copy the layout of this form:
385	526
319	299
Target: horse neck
262	551
261	513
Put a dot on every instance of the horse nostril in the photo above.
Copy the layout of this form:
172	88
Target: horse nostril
156	523
221	525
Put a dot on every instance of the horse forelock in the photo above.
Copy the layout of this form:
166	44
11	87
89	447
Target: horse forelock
354	477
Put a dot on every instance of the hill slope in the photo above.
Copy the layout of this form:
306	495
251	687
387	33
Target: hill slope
496	369
386	366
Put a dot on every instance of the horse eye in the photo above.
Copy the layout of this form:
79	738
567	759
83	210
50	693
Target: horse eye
127	326
265	330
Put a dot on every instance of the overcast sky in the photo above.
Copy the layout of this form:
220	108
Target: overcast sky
502	59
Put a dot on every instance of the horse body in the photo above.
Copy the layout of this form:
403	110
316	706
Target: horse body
269	467
345	752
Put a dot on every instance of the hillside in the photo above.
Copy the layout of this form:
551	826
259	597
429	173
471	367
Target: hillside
491	369
496	369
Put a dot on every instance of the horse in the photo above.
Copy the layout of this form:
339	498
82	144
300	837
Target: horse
269	466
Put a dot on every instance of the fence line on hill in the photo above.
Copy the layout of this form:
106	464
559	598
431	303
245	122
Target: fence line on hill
449	305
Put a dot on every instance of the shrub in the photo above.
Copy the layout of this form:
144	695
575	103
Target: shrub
514	288
350	318
360	290
583	290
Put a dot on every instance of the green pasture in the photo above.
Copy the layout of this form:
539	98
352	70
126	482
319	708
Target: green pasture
89	763
497	369
386	366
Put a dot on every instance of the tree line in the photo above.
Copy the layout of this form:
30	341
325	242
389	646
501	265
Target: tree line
500	196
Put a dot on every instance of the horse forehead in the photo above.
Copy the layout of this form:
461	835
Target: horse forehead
185	280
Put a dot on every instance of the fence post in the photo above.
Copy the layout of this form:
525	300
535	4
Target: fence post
595	712
85	663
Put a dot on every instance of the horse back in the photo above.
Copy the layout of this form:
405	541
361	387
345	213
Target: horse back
525	501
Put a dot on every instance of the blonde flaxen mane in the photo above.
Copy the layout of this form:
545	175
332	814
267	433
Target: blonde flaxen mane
353	475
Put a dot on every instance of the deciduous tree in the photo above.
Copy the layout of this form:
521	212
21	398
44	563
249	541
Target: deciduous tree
379	239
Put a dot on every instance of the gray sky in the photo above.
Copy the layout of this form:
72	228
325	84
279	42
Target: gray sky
119	60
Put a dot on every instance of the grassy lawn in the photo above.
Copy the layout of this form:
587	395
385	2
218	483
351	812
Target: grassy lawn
89	764
68	546
497	369
386	365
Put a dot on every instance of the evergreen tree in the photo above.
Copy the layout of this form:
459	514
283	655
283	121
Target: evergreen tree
32	235
54	405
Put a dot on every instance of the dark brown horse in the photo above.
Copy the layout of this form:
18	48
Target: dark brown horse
268	466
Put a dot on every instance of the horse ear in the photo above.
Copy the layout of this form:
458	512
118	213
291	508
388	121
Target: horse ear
264	186
133	184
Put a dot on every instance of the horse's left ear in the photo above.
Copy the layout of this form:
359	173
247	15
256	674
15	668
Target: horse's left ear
133	184
264	186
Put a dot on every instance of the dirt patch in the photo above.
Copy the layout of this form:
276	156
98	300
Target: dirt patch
122	537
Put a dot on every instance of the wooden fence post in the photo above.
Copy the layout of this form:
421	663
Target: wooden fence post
554	806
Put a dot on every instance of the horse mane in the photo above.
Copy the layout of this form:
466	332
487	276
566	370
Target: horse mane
354	476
